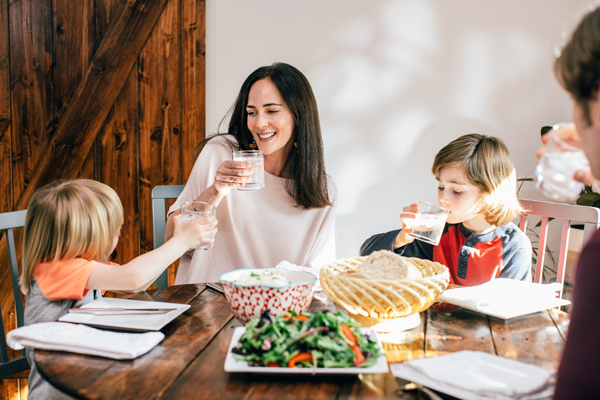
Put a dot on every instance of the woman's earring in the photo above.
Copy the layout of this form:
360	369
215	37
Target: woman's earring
297	148
253	144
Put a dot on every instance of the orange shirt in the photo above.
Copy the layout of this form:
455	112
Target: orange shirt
66	279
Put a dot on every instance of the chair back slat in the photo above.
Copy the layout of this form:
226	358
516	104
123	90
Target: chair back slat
14	275
9	221
568	213
159	219
523	223
541	254
562	255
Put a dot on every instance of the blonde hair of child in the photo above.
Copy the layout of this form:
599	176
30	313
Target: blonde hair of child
68	219
488	165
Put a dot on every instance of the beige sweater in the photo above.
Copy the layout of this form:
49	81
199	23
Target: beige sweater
257	229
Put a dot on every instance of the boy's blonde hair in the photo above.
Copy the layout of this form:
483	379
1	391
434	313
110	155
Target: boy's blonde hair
488	166
68	219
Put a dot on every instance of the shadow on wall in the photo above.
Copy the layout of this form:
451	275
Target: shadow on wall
401	79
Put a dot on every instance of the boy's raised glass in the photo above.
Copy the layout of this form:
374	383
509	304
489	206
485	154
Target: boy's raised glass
255	158
554	172
429	223
197	209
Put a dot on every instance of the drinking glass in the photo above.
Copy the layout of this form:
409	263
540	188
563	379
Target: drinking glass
197	209
255	158
555	169
429	223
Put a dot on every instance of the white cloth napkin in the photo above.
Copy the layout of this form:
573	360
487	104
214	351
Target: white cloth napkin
505	298
477	375
83	340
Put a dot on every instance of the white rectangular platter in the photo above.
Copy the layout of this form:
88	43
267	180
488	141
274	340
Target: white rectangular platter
231	365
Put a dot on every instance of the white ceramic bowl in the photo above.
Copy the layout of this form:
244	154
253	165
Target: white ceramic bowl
249	301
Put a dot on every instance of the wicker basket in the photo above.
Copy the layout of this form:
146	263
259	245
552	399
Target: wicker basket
379	298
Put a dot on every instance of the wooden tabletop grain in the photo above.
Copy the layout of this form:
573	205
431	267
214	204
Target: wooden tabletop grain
188	363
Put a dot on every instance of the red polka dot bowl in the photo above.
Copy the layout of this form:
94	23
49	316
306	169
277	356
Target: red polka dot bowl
249	301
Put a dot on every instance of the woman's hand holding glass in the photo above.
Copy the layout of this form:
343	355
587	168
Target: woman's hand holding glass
407	217
232	175
195	232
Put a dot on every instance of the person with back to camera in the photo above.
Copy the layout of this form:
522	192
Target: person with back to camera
578	71
71	228
292	217
477	184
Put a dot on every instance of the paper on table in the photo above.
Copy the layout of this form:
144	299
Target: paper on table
83	340
505	298
477	375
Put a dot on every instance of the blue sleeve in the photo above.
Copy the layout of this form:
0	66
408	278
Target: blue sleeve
385	241
381	241
516	254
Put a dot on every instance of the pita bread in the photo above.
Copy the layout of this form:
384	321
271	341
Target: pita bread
384	264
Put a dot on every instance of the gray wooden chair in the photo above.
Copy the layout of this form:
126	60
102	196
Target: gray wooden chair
8	221
159	220
568	213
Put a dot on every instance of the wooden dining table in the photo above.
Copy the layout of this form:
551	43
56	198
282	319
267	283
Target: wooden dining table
188	363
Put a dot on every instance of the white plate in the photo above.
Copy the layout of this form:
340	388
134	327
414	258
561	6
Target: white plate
140	322
231	365
494	377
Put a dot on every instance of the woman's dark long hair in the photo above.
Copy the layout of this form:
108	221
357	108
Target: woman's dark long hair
304	168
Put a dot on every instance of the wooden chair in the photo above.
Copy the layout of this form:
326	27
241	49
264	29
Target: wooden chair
9	221
159	220
589	216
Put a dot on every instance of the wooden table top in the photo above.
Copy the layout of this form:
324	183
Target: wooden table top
188	363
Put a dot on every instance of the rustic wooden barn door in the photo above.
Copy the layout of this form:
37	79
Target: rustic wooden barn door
111	90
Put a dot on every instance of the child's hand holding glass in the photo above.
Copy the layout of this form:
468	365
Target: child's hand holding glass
407	217
195	233
423	221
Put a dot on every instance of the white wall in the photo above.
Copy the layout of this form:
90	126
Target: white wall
396	80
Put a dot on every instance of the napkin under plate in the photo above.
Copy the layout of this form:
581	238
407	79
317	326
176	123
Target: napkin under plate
478	375
82	339
505	298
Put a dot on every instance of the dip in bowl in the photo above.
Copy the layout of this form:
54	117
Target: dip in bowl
248	298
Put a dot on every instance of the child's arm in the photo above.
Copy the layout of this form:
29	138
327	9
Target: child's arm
139	273
395	239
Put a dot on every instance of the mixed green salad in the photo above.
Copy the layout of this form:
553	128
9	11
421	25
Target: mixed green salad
308	340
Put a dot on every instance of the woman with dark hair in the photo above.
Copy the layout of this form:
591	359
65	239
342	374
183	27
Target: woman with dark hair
292	218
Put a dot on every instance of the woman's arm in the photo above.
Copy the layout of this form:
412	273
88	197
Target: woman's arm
143	270
230	175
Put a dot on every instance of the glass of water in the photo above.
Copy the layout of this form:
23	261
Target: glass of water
255	158
197	209
429	223
555	169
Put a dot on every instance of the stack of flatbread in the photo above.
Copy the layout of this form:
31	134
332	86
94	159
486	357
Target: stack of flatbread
384	264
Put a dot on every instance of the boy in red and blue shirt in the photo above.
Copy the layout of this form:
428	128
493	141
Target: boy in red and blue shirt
477	185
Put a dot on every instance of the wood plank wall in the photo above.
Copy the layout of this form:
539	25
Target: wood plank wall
148	137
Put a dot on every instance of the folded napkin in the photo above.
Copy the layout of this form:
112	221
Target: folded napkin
477	375
83	340
505	298
319	295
